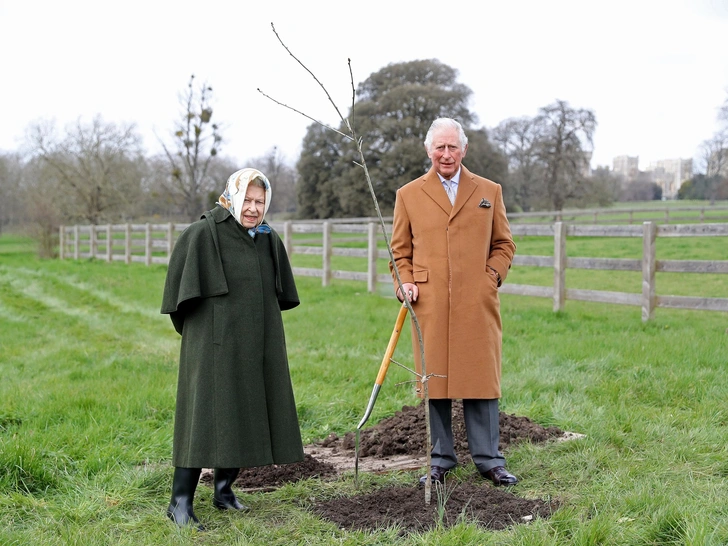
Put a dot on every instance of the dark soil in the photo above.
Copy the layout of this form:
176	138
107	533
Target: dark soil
404	434
273	476
405	507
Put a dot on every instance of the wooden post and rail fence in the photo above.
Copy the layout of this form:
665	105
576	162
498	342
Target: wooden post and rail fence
153	244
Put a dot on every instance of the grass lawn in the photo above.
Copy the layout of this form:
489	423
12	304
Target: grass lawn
89	369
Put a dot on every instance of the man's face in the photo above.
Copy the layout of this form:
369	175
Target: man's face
253	207
446	153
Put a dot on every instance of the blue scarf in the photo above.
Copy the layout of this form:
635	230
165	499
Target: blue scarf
262	228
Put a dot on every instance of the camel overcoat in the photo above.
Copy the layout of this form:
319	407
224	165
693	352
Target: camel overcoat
224	293
444	249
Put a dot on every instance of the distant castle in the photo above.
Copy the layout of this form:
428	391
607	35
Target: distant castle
669	174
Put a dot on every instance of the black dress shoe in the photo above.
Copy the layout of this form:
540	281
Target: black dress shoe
437	474
500	476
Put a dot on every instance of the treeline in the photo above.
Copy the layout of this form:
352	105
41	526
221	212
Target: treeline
712	183
98	172
541	162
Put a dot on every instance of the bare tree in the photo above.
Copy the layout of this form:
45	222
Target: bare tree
97	167
714	151
11	168
196	142
714	154
565	139
282	177
44	203
723	114
548	158
517	138
217	175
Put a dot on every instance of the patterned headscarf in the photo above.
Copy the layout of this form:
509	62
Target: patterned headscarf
237	186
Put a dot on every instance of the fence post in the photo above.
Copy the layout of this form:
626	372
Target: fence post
170	240
61	242
108	242
148	245
372	257
92	241
288	237
76	242
326	273
559	265
127	244
649	235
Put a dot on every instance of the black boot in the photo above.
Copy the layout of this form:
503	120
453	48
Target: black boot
183	492
224	498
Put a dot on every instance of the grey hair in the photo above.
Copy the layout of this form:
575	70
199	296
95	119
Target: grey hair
445	123
259	182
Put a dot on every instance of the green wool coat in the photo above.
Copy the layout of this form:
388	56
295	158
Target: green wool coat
224	293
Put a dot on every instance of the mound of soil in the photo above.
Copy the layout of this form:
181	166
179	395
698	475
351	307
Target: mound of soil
273	476
404	507
404	434
277	475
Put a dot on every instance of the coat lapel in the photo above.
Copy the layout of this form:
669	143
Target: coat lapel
466	187
432	186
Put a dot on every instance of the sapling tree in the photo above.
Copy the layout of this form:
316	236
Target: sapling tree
350	133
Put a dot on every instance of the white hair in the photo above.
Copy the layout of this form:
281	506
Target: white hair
445	123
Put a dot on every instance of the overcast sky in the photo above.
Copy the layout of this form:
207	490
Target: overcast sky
654	72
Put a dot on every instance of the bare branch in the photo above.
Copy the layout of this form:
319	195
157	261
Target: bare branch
312	74
400	284
353	94
410	370
306	115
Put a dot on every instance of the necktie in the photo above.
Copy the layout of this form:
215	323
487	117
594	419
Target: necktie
450	191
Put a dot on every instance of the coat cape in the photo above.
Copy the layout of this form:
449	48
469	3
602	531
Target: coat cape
224	293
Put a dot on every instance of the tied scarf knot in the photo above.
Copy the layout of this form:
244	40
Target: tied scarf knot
262	228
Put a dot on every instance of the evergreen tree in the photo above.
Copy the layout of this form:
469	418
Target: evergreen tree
394	109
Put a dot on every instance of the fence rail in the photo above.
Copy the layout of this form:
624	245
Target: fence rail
153	244
611	216
648	300
658	215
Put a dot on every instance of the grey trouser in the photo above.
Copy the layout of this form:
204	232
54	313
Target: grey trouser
481	425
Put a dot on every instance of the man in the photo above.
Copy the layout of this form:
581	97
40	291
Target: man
453	248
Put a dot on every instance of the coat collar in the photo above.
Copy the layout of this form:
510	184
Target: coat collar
218	214
432	186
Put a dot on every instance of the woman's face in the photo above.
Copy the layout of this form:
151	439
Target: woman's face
253	207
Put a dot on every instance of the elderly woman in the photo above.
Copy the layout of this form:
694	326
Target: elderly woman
228	280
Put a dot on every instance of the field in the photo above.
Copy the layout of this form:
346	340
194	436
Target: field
89	375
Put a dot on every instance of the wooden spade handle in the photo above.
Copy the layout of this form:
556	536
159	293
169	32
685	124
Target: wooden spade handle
392	344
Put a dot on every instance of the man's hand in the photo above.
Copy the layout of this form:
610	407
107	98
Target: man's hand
495	275
410	289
